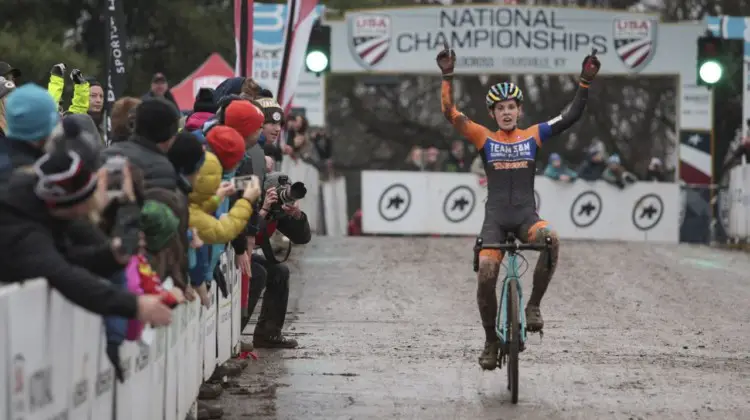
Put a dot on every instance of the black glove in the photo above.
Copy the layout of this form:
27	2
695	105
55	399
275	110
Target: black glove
446	60
58	69
590	68
77	77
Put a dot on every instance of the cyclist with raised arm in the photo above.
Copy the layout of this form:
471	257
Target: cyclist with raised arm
508	155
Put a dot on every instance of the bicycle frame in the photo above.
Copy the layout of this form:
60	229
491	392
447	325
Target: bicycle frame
501	323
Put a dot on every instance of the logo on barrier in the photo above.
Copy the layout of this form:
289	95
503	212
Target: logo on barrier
459	204
394	202
647	211
586	209
537	200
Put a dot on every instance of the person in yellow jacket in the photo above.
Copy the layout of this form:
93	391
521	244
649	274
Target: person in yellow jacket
226	151
80	102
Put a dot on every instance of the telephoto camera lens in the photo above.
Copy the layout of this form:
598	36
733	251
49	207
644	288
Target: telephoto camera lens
291	193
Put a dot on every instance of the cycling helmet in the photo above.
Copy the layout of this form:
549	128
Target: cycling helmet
502	92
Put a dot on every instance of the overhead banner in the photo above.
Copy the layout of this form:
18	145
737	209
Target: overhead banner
269	21
511	40
117	53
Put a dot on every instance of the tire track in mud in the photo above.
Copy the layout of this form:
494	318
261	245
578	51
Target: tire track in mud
389	328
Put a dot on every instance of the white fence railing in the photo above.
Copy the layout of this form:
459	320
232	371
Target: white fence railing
54	364
738	200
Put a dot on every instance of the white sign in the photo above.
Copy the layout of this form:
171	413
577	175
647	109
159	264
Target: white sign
512	40
395	202
738	200
696	110
269	21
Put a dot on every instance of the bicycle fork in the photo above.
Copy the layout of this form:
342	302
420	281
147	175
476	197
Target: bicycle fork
501	323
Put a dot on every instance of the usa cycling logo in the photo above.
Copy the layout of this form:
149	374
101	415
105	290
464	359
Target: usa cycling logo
369	38
635	42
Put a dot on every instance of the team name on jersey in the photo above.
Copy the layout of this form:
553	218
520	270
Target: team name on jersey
522	150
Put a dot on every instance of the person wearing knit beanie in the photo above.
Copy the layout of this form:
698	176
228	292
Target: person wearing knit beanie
228	146
65	180
187	154
157	120
159	225
273	119
246	119
204	101
31	114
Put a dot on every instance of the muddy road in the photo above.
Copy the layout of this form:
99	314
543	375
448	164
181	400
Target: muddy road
389	329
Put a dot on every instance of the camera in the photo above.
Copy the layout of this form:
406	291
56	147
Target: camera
288	192
115	167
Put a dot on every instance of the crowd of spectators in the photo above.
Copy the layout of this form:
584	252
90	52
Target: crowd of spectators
106	216
598	165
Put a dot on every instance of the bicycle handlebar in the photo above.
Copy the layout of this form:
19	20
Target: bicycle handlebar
525	247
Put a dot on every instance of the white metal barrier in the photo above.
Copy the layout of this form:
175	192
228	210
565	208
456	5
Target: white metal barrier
54	365
396	202
738	198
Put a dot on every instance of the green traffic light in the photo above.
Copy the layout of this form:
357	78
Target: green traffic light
710	72
316	61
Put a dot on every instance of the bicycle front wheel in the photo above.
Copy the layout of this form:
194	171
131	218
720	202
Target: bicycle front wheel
513	339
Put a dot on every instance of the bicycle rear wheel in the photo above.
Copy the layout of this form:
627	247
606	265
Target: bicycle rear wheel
513	339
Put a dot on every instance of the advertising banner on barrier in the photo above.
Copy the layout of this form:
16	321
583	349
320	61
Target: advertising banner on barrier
403	203
162	371
514	40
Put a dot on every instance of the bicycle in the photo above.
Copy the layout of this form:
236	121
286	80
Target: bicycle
510	324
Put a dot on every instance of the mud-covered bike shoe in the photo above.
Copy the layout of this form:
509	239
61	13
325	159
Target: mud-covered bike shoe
488	358
534	320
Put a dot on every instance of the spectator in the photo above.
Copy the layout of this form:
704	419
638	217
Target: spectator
292	222
656	171
616	174
593	167
35	214
6	87
414	161
187	156
81	91
123	118
162	226
432	160
456	160
269	138
156	123
96	107
9	72
736	157
160	89
203	110
558	171
355	224
30	116
227	149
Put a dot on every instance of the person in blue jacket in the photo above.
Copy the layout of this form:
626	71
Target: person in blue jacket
558	171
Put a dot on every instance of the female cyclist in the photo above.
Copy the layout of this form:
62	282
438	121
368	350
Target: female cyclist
508	155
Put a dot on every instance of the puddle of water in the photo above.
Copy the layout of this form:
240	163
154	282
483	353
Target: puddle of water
703	263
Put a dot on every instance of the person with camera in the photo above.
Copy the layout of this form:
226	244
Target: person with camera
37	211
279	211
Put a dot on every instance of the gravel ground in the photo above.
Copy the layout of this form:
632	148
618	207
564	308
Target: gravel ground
389	329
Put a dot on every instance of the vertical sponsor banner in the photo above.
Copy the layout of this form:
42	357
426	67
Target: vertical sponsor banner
269	22
243	27
299	24
117	55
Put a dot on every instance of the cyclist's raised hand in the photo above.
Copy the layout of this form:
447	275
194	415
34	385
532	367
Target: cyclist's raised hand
590	67
446	60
